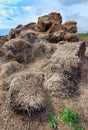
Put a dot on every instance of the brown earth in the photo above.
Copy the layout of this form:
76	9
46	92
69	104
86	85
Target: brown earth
43	70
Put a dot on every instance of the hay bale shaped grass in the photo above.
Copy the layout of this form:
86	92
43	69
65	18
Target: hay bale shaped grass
26	92
9	68
60	87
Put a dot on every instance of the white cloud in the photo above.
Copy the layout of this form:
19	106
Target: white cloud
11	16
27	8
78	12
9	1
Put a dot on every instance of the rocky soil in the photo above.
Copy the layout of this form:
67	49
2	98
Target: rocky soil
43	70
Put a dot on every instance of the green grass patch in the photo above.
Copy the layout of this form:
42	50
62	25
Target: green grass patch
68	116
52	122
71	118
83	35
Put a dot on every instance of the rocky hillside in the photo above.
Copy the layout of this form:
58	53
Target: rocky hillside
43	69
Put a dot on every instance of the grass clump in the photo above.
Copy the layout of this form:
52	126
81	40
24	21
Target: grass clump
70	117
52	122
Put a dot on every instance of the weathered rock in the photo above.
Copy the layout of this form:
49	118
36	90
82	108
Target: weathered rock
70	26
26	92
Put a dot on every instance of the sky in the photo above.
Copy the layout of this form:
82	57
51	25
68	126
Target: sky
15	12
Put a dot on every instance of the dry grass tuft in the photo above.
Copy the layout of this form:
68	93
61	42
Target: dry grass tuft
26	92
9	68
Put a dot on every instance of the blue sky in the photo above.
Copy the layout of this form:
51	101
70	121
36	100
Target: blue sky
14	12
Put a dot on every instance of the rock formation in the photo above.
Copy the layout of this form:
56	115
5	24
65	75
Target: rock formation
42	60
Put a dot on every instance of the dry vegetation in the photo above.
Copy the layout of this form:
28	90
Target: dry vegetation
42	72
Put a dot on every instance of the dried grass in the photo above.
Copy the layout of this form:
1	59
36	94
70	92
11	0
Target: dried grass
26	92
9	68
